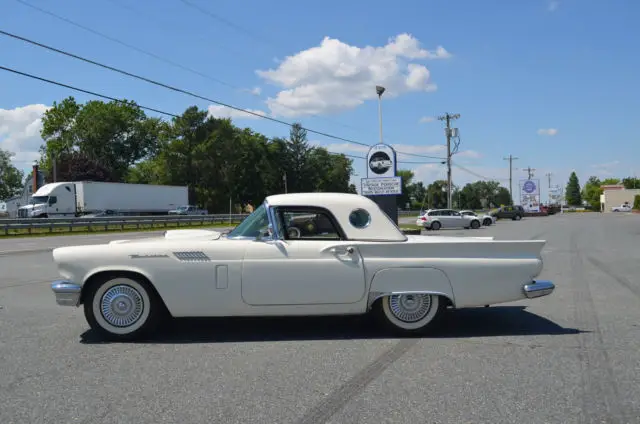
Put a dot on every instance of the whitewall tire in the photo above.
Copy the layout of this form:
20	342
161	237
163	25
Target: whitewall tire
121	308
411	313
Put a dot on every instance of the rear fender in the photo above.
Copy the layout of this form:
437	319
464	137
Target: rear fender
410	280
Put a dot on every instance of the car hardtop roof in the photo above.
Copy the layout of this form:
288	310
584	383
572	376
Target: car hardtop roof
341	205
325	200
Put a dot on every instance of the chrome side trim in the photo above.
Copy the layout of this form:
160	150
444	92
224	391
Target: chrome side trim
373	296
67	292
271	214
538	288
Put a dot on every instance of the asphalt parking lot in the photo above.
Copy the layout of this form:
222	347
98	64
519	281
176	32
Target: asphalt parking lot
572	357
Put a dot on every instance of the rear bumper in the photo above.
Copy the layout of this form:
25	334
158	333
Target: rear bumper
538	288
67	292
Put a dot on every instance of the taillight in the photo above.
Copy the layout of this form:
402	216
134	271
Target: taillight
422	218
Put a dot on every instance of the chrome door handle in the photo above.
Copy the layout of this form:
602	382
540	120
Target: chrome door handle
343	251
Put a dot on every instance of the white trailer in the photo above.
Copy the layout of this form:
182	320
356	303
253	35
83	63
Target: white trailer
85	197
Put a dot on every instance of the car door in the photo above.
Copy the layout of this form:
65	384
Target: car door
456	219
311	264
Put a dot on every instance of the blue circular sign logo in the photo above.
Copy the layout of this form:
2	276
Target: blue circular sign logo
529	187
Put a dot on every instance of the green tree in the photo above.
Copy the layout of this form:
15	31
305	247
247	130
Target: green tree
11	178
572	192
636	202
437	195
407	183
117	134
591	192
631	183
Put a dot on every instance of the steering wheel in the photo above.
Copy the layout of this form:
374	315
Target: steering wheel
293	232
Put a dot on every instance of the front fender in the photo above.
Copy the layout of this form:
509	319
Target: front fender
410	279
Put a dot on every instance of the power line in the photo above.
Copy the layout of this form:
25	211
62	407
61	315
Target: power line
478	175
235	52
448	118
104	96
529	172
176	89
179	90
511	158
224	21
93	93
130	46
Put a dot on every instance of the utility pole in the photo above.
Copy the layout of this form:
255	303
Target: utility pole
379	91
511	158
548	175
530	172
448	117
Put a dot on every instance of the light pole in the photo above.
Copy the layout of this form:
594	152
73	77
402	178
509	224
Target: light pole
379	90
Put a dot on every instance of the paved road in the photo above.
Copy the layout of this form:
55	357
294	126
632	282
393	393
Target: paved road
569	358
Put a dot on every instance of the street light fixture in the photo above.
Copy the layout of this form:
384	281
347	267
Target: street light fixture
379	90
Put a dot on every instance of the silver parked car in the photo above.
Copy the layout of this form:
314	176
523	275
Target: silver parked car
434	219
484	218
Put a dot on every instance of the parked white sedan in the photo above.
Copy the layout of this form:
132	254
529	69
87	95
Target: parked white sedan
435	219
486	219
296	254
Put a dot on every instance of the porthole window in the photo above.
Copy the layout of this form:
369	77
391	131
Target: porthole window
359	218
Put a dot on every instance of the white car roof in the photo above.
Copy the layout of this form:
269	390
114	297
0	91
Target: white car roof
341	205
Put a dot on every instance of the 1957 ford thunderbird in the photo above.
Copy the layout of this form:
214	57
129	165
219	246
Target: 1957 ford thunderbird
296	254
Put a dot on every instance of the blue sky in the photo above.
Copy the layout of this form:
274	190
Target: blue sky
513	68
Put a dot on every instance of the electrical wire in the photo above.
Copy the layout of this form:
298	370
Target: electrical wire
176	89
478	175
189	93
104	96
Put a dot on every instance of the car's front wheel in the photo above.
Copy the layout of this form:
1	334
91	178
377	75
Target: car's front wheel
487	222
475	224
122	308
410	312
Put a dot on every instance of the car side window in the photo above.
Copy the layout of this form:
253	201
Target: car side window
307	225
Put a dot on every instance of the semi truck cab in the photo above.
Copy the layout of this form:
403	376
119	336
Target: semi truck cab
55	199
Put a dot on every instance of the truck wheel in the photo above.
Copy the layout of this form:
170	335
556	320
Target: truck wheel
517	217
410	313
122	308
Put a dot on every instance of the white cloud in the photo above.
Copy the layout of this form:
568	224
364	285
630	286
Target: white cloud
218	111
426	119
336	76
548	131
256	91
20	133
553	6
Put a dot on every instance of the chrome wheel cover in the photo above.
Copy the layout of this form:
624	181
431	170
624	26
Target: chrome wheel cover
121	306
410	307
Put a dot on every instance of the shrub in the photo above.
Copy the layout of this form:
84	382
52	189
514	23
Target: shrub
636	202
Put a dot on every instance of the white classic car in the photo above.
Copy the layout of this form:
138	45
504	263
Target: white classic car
296	254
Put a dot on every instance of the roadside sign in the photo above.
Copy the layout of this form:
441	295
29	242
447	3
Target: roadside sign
391	186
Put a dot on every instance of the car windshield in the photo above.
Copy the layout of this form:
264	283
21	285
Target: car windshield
253	225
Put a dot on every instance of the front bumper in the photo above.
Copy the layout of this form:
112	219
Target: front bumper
538	288
67	292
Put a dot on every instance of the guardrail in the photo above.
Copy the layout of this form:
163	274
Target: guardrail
112	223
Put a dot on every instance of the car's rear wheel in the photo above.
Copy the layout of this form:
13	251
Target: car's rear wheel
517	217
410	312
487	222
122	308
435	225
475	224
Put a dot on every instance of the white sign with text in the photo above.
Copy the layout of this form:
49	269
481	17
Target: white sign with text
381	186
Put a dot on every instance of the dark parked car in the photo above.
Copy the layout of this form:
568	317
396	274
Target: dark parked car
509	212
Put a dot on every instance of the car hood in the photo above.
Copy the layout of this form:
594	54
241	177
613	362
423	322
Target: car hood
199	234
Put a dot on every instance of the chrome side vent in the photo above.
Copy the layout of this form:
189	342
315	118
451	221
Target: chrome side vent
192	256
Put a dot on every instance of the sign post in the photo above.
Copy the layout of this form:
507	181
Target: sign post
382	185
530	195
